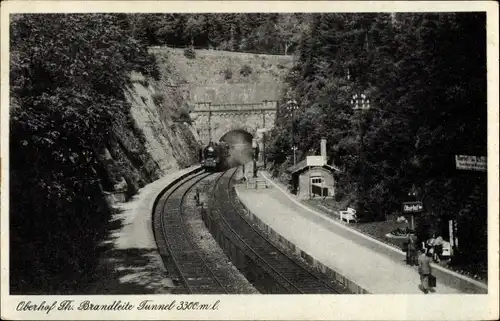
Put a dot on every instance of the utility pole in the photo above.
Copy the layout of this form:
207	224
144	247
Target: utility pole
292	106
361	103
209	122
264	139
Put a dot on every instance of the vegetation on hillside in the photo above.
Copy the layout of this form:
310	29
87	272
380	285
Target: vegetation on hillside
68	75
425	77
271	33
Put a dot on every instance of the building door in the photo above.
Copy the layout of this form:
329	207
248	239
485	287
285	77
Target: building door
317	186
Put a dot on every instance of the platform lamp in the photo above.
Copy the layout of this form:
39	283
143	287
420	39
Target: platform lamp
292	106
360	103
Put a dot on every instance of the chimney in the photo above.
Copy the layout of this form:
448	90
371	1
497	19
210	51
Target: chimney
323	149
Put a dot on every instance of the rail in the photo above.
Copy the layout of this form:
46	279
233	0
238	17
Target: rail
232	197
176	249
298	278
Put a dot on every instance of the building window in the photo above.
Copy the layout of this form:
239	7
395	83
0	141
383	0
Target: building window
317	180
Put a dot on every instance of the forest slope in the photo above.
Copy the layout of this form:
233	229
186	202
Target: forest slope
87	127
421	80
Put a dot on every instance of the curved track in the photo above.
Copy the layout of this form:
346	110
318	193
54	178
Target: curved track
178	252
291	275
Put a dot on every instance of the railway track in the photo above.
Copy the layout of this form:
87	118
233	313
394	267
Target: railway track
290	275
180	255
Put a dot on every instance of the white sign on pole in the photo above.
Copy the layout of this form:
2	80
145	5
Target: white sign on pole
315	161
472	163
413	207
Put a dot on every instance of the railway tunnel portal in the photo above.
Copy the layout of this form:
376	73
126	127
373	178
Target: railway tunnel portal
236	124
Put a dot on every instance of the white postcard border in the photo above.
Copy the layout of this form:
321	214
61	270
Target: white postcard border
270	307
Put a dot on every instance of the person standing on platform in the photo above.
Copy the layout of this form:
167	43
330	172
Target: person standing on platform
412	252
438	247
430	242
424	269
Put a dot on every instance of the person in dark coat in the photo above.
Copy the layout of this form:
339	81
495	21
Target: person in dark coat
424	269
411	252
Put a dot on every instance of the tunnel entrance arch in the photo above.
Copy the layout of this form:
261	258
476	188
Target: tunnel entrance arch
213	121
238	135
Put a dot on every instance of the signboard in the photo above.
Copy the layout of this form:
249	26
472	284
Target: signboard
471	163
315	160
413	207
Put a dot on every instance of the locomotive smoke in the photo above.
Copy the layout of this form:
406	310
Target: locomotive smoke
240	151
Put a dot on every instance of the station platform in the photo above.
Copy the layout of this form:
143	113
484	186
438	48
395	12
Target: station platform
369	264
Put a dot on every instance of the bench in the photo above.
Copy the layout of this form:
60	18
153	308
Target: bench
348	215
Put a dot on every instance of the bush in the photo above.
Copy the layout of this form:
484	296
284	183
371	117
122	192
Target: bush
183	115
246	70
158	99
147	65
190	53
151	67
228	73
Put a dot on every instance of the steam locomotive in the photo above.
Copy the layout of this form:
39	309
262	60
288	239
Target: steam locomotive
215	156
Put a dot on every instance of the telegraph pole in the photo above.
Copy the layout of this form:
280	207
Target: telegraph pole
264	139
292	106
209	122
361	103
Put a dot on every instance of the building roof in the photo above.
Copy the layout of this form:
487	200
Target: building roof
300	166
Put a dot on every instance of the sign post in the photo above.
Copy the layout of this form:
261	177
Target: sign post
465	163
471	163
413	208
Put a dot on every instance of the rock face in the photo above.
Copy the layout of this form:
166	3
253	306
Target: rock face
156	139
171	142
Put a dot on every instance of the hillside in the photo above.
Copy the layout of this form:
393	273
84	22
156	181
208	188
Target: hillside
172	144
216	76
89	126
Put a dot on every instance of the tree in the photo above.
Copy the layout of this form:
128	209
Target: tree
425	77
68	73
290	27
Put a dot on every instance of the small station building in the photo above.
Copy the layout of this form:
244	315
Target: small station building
313	177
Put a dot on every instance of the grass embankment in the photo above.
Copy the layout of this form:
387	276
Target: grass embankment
377	230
